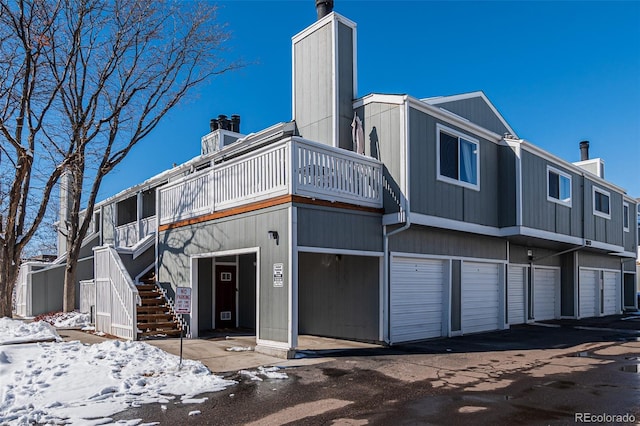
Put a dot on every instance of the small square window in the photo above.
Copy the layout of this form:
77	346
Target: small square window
458	158
601	203
558	186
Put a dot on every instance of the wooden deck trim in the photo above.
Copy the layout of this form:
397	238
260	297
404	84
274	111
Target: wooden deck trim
259	205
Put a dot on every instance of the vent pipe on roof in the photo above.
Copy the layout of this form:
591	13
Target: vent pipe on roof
235	123
323	8
223	123
584	150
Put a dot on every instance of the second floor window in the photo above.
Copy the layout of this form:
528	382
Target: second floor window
558	186
625	216
601	203
458	160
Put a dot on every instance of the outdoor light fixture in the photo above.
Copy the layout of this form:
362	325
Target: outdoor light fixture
273	235
530	254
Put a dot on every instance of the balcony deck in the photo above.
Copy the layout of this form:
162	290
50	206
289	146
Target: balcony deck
291	166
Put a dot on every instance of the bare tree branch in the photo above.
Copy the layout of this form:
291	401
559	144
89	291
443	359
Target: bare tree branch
81	83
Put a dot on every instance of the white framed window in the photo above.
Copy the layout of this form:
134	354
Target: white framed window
601	203
625	216
458	158
558	186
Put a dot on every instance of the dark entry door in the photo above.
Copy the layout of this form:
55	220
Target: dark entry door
225	296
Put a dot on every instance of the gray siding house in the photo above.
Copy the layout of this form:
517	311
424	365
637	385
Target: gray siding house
382	218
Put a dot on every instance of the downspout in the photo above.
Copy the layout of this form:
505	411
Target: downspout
407	222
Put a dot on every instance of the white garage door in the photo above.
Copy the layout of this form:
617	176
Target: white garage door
589	287
545	284
515	294
480	297
416	298
611	292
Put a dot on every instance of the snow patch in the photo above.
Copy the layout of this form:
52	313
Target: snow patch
15	331
72	383
266	373
239	349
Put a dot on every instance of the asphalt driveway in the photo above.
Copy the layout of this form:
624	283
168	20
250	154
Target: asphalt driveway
554	373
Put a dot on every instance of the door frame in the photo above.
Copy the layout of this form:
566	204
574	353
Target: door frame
193	278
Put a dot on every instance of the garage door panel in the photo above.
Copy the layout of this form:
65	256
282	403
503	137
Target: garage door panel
545	285
589	286
416	298
480	297
611	285
516	295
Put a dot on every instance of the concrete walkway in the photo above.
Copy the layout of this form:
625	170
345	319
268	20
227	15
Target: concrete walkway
233	353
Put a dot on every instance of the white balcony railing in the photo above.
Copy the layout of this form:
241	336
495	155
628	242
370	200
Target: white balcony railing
129	234
292	166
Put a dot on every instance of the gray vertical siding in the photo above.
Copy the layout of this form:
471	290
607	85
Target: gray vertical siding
313	104
343	229
135	266
537	211
598	228
594	260
541	256
436	198
477	111
382	131
47	286
314	85
577	220
425	240
338	296
176	246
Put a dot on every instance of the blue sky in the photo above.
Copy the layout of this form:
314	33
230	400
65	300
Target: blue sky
559	72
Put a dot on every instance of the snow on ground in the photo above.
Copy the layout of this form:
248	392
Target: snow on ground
66	319
239	349
13	331
73	383
266	372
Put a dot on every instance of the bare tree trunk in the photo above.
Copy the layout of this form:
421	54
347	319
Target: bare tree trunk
8	276
70	274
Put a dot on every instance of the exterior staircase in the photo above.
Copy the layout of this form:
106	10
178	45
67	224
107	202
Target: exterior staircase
155	316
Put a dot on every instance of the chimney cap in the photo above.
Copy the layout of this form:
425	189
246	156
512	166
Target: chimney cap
584	150
323	8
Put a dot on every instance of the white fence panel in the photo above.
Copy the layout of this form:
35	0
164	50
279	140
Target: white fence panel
87	296
116	295
23	292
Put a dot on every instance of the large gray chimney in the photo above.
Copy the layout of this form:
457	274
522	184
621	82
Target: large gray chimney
323	8
584	150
